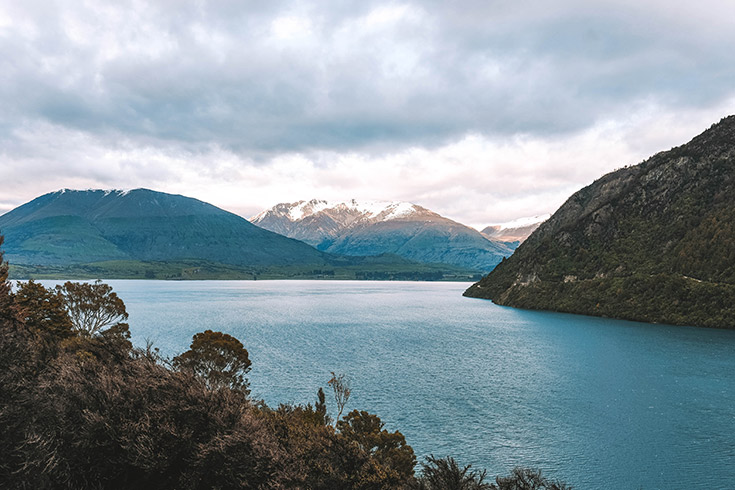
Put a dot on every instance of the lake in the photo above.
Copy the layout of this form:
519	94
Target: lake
598	403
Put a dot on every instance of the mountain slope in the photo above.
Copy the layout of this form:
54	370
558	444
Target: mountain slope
514	231
373	228
71	227
653	242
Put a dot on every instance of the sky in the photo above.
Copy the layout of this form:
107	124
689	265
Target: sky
481	110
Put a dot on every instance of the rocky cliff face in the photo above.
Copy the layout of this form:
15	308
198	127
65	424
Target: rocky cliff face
652	242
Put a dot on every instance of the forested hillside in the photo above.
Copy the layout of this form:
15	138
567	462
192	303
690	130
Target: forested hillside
653	242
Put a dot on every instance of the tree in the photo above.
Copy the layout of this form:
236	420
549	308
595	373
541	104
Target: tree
92	307
321	407
389	449
529	479
132	424
446	474
43	311
217	358
341	386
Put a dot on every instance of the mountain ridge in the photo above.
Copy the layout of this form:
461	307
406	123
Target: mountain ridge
401	228
652	242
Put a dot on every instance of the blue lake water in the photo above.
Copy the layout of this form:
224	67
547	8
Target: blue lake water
598	403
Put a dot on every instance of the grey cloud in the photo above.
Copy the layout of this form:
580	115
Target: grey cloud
203	73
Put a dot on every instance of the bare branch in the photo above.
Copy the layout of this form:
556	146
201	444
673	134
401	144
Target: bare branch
341	386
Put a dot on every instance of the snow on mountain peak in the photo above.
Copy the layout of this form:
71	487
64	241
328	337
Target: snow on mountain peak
384	210
521	222
106	192
302	209
516	230
399	210
370	210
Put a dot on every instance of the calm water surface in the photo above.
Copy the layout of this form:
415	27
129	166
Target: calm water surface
598	403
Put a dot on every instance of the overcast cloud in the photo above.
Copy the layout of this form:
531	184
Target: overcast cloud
483	111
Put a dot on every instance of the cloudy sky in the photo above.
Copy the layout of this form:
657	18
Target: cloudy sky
481	110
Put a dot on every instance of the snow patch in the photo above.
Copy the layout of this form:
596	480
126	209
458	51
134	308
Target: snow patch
119	192
521	222
307	208
106	192
400	210
384	210
381	210
259	216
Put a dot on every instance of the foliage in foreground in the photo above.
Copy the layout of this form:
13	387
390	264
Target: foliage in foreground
447	474
219	359
81	408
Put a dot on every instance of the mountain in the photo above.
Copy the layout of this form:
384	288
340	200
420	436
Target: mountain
71	227
514	231
316	221
372	228
654	242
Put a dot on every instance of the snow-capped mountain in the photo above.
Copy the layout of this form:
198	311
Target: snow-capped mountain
379	210
317	221
514	231
373	228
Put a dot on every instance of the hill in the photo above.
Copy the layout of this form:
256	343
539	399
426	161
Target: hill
654	242
70	227
373	228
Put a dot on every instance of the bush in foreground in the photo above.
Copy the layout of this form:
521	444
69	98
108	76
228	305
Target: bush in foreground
81	408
